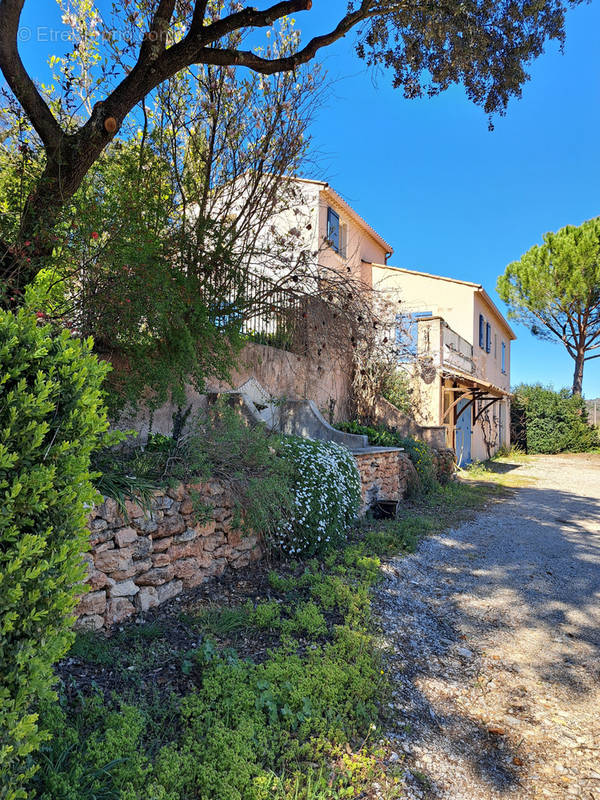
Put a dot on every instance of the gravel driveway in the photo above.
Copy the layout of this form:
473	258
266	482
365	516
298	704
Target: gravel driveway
493	644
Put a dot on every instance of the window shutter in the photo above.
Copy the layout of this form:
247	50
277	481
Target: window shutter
481	331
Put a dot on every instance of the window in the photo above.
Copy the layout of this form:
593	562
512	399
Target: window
481	331
333	229
488	338
407	334
504	358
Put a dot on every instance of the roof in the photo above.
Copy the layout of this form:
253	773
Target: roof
347	208
476	286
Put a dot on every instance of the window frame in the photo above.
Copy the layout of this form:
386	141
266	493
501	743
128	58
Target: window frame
503	350
481	332
334	242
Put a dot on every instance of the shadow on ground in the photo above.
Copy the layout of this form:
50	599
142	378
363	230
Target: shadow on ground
525	573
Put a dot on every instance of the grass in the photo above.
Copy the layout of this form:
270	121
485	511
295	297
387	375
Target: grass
214	721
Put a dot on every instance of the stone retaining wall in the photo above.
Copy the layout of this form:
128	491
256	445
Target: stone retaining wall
141	560
145	557
385	474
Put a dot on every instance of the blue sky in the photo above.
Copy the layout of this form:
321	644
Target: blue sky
455	199
450	196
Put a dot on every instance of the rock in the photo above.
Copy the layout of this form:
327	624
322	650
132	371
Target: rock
169	590
187	550
186	507
118	609
156	576
170	526
142	547
123	589
109	511
114	560
159	545
92	603
147	597
160	559
206	528
94	622
241	561
212	542
133	509
464	652
177	493
146	524
98	538
186	568
98	580
106	545
97	525
125	536
187	536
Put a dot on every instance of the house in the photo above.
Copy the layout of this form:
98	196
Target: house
461	344
458	348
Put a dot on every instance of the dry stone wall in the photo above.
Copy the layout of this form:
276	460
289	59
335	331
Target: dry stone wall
385	474
144	557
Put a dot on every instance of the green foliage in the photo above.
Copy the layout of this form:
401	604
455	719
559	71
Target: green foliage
219	443
545	421
419	453
555	290
288	727
326	497
51	418
396	389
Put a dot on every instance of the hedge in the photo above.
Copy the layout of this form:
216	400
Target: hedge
51	418
545	421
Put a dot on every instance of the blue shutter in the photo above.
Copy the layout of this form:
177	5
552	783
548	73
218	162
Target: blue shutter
481	331
488	338
333	229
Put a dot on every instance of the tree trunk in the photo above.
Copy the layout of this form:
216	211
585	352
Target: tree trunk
578	375
65	170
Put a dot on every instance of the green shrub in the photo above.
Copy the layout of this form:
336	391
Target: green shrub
419	452
545	421
51	418
326	496
219	443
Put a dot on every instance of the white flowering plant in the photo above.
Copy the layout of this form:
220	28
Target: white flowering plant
326	497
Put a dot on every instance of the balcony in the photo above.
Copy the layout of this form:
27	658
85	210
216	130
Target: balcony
438	342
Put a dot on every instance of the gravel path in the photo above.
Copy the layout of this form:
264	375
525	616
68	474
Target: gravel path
493	639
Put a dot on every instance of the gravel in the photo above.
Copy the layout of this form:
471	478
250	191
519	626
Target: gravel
492	638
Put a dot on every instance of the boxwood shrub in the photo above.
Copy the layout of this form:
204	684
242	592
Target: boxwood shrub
51	417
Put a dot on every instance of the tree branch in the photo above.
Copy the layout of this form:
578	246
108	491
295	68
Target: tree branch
19	81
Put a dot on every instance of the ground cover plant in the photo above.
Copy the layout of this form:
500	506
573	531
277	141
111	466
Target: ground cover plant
264	684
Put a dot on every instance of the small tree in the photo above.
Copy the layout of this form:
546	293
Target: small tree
51	418
555	289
